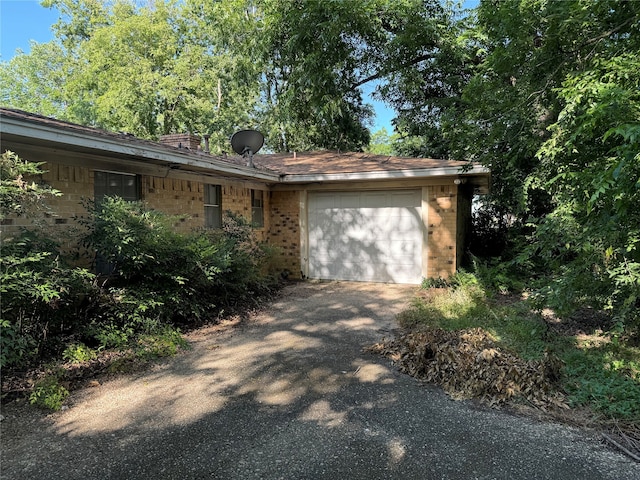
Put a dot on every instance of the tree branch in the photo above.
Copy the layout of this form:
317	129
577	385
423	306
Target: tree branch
385	72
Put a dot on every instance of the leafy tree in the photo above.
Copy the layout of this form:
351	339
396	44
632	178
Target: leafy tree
33	82
292	69
155	69
320	53
554	110
381	143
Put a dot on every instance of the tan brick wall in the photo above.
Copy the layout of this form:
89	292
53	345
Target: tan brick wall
284	232
236	197
176	197
186	197
281	214
441	230
58	220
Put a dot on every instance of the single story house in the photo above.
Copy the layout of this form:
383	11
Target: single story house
331	215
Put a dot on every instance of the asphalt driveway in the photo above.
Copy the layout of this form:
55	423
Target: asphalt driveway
290	395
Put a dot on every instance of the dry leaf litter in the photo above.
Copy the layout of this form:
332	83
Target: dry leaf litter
468	364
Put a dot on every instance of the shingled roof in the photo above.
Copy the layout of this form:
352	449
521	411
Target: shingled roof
332	162
287	166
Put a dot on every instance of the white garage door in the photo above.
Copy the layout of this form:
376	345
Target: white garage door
367	236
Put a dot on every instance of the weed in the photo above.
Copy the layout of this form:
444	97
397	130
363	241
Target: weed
602	378
165	343
48	393
78	353
434	282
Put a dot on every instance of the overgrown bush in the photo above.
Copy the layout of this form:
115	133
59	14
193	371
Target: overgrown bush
41	297
159	275
151	279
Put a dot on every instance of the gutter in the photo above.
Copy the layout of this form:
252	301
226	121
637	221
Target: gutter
385	175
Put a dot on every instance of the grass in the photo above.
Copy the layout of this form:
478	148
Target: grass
601	372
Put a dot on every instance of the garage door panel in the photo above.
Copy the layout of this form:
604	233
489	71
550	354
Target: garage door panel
368	236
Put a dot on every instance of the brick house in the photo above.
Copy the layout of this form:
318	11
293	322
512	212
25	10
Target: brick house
340	216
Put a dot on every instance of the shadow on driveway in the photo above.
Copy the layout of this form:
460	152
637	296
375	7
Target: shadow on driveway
291	395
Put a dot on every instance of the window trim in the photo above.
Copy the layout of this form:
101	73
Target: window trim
218	198
257	205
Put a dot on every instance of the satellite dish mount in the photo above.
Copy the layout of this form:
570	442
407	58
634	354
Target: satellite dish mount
246	143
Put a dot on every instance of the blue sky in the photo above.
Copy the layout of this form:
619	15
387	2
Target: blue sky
22	21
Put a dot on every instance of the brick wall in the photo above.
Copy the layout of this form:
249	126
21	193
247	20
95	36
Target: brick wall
284	233
58	220
441	231
446	215
176	197
182	140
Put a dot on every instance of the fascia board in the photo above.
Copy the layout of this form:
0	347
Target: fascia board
386	175
10	126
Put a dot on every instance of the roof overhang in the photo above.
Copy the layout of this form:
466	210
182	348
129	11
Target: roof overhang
38	135
387	175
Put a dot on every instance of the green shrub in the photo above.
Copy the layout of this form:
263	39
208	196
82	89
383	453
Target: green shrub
48	393
164	343
170	277
15	348
41	296
20	194
78	353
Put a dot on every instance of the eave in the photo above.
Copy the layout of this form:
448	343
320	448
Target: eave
34	134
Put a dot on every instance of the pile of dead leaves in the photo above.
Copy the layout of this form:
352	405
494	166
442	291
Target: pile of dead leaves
468	364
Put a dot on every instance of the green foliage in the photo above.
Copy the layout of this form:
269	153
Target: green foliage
160	275
15	348
48	393
295	70
456	307
32	82
41	296
437	282
503	277
19	191
145	68
604	380
381	143
78	353
163	343
158	278
596	221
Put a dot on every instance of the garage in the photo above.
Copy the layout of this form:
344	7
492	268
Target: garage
373	236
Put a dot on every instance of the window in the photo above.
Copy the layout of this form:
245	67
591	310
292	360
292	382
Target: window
257	204
111	184
213	206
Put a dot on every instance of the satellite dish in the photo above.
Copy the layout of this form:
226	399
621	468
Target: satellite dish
246	143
